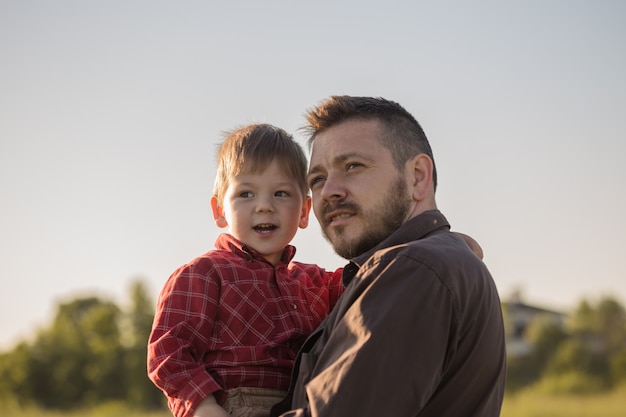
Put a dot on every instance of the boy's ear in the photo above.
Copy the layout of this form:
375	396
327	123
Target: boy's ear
304	215
218	213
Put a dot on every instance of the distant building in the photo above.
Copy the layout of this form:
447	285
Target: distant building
518	316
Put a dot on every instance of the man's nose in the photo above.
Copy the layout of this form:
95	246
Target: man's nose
333	188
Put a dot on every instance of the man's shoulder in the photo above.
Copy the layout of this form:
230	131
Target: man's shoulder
440	243
440	252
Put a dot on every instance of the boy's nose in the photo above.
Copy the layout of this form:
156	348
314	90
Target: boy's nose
264	205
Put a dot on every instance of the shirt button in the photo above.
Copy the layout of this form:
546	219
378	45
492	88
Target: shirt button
295	307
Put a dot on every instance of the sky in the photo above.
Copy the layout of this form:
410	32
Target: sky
111	113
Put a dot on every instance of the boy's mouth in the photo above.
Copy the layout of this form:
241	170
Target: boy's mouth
265	228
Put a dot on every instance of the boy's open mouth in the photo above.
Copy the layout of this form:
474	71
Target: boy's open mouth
264	228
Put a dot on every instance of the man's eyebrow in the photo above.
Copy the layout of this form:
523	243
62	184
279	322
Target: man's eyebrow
313	170
339	159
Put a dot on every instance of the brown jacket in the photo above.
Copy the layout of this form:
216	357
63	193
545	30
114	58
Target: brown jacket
418	332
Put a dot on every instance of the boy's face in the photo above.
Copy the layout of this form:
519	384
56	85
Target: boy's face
263	210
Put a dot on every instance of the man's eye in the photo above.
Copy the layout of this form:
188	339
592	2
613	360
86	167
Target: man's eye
353	165
315	181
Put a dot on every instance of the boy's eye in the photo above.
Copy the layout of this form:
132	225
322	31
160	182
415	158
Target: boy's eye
246	194
281	194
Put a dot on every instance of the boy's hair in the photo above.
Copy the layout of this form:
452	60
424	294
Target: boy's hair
403	135
251	149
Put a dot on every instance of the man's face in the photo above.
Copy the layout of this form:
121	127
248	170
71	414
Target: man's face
359	197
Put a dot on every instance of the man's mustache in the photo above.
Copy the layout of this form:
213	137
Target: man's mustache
341	205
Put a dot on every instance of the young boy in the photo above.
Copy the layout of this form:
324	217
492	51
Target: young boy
229	324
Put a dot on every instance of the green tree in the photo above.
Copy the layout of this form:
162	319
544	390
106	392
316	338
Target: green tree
592	357
578	369
612	325
16	384
546	337
618	367
77	360
92	352
141	392
602	325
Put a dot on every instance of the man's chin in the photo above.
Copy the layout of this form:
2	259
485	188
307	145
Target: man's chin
343	248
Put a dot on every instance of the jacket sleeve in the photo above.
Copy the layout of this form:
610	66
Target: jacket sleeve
184	320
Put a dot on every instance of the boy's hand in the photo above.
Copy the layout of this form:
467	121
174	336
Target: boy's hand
474	246
210	408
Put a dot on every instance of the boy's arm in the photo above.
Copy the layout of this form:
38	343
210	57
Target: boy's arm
335	287
183	322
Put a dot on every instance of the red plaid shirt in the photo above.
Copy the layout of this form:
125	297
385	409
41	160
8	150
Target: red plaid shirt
231	319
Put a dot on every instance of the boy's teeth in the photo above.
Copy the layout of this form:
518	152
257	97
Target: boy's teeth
265	227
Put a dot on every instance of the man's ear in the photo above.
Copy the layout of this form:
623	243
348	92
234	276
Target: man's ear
218	213
304	214
421	167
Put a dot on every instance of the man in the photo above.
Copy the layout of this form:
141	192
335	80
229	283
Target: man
418	331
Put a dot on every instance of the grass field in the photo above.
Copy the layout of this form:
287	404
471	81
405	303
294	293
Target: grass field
533	404
105	410
524	404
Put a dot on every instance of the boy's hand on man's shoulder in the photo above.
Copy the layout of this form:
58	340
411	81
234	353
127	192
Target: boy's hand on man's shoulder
474	246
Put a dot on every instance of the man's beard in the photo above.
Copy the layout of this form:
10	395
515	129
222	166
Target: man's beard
380	222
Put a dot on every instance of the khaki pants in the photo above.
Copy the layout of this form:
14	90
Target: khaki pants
252	402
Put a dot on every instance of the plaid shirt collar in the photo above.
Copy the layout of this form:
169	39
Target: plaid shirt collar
228	242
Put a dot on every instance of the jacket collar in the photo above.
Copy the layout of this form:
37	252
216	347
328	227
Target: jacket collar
414	229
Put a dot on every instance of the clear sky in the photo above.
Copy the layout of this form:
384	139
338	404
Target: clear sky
110	113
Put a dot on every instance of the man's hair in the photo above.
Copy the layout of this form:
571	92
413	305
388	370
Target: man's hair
403	135
251	149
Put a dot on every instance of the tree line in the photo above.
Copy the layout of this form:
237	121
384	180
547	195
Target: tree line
586	354
94	352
